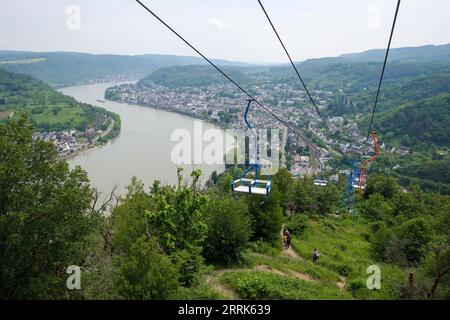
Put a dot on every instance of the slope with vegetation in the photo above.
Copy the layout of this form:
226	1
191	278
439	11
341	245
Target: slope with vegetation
68	68
48	109
192	76
188	242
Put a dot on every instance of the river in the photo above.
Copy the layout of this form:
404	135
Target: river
143	148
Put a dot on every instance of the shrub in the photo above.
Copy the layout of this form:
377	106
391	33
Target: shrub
267	218
229	229
144	273
344	270
189	263
251	286
297	225
355	285
265	248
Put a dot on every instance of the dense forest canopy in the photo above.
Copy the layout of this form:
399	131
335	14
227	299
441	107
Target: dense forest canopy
192	76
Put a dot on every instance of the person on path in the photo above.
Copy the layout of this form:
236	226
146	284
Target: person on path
315	256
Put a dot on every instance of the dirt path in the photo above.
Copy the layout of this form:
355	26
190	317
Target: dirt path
291	253
227	292
342	283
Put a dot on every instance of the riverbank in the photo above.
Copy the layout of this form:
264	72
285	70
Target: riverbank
191	115
143	148
100	139
85	148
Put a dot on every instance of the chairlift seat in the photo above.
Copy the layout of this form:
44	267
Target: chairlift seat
252	186
321	183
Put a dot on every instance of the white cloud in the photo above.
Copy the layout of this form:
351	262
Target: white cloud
216	24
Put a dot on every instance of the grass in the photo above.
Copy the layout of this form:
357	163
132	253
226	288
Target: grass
63	116
265	285
345	250
271	273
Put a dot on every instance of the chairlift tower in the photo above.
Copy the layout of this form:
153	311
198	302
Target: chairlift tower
348	197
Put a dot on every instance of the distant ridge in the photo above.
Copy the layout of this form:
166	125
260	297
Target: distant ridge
428	52
68	68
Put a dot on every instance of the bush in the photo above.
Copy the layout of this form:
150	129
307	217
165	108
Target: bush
344	270
383	185
355	285
297	225
265	248
264	285
189	264
145	273
251	286
267	219
229	229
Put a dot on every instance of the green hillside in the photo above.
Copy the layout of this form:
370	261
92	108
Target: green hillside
422	53
188	242
419	121
67	68
192	76
48	109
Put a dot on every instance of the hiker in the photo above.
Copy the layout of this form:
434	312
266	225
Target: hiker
315	256
287	235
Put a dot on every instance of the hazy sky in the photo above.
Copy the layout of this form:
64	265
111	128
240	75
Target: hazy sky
231	29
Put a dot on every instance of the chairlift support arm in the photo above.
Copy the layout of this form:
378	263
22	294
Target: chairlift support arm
375	157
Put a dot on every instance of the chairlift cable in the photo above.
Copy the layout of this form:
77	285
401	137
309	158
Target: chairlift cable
224	74
295	68
382	71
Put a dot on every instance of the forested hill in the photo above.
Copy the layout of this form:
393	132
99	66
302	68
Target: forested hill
192	76
422	53
67	68
48	109
425	120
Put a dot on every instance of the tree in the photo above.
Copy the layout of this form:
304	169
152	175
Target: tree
437	263
416	234
145	273
384	185
171	217
229	230
129	217
326	199
267	218
176	221
303	195
283	182
44	215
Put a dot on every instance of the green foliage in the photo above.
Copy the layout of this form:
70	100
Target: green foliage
44	216
420	121
145	273
229	229
191	76
172	217
267	218
68	68
49	110
416	235
283	182
297	224
382	185
264	285
311	199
